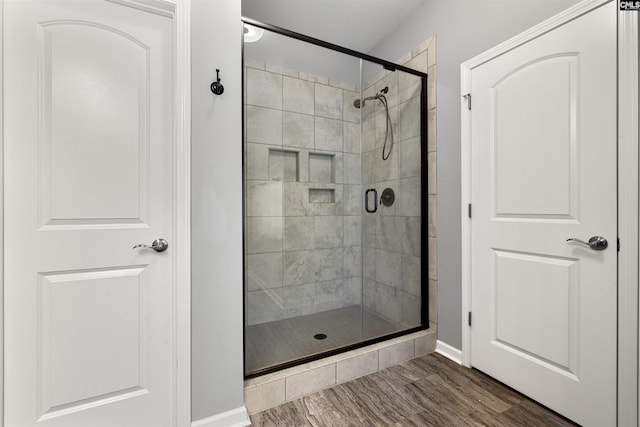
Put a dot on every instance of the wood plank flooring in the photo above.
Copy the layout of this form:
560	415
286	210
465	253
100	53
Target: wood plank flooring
427	391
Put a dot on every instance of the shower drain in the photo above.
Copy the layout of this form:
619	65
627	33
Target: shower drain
320	336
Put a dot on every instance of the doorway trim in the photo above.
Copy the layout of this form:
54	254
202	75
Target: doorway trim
179	11
628	193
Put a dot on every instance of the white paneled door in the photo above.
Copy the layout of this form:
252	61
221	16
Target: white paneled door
88	143
543	144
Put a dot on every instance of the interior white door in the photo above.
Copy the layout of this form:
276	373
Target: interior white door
89	328
544	171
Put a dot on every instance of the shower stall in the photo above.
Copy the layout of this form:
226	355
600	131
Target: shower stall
335	249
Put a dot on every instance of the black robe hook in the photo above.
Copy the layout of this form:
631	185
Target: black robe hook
216	87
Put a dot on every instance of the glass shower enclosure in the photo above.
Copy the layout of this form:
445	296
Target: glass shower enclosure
335	207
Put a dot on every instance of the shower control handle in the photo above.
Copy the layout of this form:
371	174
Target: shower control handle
375	200
158	245
597	243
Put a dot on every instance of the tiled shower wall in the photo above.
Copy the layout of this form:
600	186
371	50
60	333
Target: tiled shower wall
392	250
303	194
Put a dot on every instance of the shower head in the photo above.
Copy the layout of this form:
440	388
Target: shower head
358	103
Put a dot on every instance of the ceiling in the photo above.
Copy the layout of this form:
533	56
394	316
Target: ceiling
356	24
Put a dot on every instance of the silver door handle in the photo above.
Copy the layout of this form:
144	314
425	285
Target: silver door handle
597	243
158	245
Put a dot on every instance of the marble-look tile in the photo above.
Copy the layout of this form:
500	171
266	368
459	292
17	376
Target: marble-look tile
352	290
264	306
351	87
314	78
352	168
264	89
264	271
299	300
296	199
433	301
253	63
396	353
420	62
357	366
264	234
310	381
369	167
369	262
431	215
411	282
328	263
290	72
352	199
329	295
352	261
410	309
264	396
257	161
349	112
433	259
387	170
425	344
432	130
388	126
328	102
352	230
297	130
264	125
431	88
410	158
328	232
387	302
298	233
351	137
328	134
299	267
432	49
388	265
389	233
298	96
264	198
411	236
403	59
410	200
368	133
274	68
336	208
432	183
409	119
422	47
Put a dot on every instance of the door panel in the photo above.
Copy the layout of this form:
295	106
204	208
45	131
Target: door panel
88	320
543	171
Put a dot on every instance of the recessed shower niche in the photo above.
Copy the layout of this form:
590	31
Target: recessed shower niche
322	126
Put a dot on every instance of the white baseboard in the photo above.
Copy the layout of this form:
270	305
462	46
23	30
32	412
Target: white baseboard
449	352
238	417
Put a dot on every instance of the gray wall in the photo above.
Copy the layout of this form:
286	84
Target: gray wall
217	372
464	29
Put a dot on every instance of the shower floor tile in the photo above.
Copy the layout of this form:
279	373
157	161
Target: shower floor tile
273	343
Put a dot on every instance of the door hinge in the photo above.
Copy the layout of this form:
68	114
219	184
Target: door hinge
469	210
469	318
618	244
467	98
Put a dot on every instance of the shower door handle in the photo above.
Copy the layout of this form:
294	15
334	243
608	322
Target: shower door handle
375	200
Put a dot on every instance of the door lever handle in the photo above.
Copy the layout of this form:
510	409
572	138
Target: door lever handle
158	245
597	243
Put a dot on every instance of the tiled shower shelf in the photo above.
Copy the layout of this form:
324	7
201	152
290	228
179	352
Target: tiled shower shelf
322	195
283	165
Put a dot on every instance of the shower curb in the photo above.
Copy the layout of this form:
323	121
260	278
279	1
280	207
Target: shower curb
270	390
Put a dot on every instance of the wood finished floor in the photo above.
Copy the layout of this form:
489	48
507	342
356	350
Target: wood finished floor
272	343
427	391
